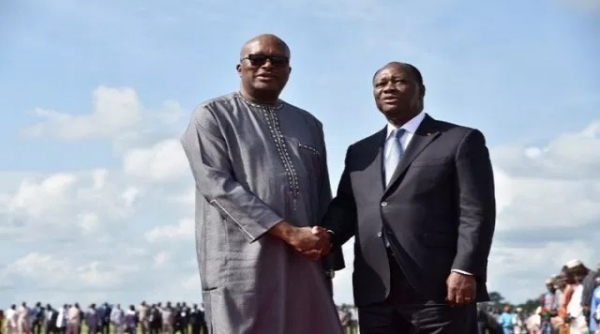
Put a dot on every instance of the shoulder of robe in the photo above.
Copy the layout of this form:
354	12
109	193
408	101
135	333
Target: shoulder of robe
303	113
223	102
205	112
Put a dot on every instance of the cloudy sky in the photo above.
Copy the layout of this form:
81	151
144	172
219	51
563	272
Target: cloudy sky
95	192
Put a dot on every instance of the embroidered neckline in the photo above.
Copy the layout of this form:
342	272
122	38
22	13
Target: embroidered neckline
277	106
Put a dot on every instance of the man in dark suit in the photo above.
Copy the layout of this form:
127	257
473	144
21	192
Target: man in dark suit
418	196
197	320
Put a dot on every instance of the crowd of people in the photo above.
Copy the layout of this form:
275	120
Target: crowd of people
104	319
145	319
571	305
491	319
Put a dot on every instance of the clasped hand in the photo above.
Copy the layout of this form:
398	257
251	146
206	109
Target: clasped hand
312	242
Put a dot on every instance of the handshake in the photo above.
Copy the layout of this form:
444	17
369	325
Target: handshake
312	242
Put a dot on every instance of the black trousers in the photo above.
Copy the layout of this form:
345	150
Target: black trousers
199	328
36	326
155	327
405	311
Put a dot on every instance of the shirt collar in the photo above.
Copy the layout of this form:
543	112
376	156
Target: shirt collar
411	126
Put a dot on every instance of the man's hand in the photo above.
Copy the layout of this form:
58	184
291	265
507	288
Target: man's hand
312	242
461	289
325	247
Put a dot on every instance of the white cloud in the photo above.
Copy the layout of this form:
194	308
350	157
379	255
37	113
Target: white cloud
568	156
118	116
161	258
548	210
50	272
115	110
65	205
124	233
165	161
183	230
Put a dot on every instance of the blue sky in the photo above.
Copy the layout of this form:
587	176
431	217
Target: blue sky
524	72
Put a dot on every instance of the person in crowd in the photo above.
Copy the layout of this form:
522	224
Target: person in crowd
575	315
506	321
548	307
567	285
197	321
155	319
24	319
595	308
589	285
131	320
117	318
144	318
73	319
37	318
105	313
92	319
61	319
50	318
11	320
168	318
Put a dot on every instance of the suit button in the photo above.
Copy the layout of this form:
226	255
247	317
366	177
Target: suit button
384	204
379	235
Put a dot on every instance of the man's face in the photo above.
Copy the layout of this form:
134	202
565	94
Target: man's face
397	91
550	287
264	66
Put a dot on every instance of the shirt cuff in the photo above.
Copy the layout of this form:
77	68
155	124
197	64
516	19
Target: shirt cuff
331	238
461	272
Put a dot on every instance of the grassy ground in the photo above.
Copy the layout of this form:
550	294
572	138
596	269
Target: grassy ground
84	330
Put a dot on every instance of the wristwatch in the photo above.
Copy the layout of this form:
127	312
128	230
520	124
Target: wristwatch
330	273
331	238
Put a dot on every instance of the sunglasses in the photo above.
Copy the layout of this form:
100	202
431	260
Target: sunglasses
259	60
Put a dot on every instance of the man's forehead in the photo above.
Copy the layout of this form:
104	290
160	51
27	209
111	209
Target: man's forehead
392	69
266	46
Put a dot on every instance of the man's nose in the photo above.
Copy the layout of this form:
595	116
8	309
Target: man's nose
389	88
268	64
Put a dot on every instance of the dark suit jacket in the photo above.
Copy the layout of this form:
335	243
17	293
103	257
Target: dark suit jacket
438	211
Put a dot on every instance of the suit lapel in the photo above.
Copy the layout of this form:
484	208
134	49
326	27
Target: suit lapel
424	135
375	169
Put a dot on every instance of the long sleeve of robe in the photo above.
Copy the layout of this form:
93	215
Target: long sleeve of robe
207	152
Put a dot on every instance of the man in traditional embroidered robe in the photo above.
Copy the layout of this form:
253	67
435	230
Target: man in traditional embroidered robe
261	184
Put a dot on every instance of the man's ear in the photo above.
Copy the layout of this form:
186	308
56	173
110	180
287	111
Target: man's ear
238	69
